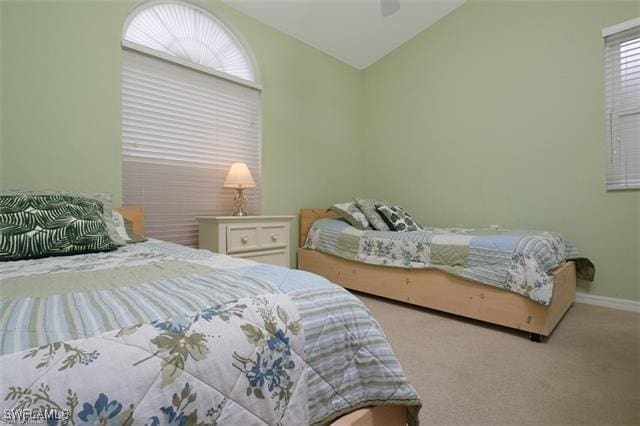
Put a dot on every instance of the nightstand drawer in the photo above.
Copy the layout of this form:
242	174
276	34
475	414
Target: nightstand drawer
271	257
273	235
242	238
261	238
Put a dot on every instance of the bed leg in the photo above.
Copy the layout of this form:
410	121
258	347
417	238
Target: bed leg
535	337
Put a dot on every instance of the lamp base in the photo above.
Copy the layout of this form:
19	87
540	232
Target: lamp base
239	200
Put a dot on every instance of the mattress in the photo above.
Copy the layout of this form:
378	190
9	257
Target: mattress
157	333
515	260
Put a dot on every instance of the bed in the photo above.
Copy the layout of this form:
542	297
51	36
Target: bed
157	333
487	292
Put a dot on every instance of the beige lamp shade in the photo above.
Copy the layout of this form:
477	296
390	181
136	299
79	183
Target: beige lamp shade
239	177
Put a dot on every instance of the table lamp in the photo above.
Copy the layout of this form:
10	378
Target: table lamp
239	178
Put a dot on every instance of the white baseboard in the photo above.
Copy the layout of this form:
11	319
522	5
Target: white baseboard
609	302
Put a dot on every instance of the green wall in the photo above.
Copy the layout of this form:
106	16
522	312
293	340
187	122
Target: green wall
1	93
494	115
61	105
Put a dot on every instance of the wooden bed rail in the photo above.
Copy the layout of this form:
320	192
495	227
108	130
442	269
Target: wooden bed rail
307	217
435	289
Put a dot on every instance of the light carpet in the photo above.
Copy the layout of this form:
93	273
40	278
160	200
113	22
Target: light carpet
469	372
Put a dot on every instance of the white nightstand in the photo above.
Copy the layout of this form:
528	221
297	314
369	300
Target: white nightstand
261	238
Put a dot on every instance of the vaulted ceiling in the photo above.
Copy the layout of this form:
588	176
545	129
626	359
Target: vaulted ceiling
353	31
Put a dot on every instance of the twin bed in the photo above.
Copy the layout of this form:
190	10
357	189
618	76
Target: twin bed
157	333
520	279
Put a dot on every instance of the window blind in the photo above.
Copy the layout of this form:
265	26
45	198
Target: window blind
181	130
622	107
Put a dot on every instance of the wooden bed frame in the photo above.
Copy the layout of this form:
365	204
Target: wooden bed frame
134	214
435	289
381	415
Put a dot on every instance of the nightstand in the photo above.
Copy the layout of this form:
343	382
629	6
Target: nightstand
264	239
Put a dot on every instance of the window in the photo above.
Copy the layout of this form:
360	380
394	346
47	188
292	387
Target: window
190	108
622	104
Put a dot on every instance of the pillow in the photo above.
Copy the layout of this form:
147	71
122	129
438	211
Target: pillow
34	226
352	214
368	207
124	227
103	197
121	229
398	219
133	237
107	214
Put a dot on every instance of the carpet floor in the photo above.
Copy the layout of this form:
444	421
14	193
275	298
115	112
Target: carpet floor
468	372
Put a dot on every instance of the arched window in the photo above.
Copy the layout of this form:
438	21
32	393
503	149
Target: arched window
190	108
187	32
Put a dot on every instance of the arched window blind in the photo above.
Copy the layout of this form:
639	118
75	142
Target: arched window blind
182	126
622	104
187	32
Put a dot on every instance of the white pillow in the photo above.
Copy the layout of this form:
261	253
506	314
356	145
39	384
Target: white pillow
350	212
121	229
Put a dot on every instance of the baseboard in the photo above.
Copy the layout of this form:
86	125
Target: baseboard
609	302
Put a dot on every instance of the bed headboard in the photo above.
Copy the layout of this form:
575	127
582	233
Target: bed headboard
307	217
136	215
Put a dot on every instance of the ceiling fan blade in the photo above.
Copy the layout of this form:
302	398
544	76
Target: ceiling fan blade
389	7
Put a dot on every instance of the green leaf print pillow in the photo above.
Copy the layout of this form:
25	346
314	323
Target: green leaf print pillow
34	226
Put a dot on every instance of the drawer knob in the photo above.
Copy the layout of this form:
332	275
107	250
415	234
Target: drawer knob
244	239
274	237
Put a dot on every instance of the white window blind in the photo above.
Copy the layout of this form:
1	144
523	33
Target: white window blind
622	107
181	130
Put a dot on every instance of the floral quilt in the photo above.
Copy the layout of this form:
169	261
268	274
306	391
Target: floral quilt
515	260
156	334
199	368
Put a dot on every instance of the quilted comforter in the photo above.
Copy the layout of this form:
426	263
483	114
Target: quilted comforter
157	333
515	260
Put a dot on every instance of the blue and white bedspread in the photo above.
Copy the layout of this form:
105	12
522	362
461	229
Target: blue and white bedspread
516	260
157	333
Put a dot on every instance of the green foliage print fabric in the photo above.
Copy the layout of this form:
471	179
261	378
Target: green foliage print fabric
35	226
103	197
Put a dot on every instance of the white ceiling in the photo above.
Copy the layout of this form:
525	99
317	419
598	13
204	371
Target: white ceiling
353	31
